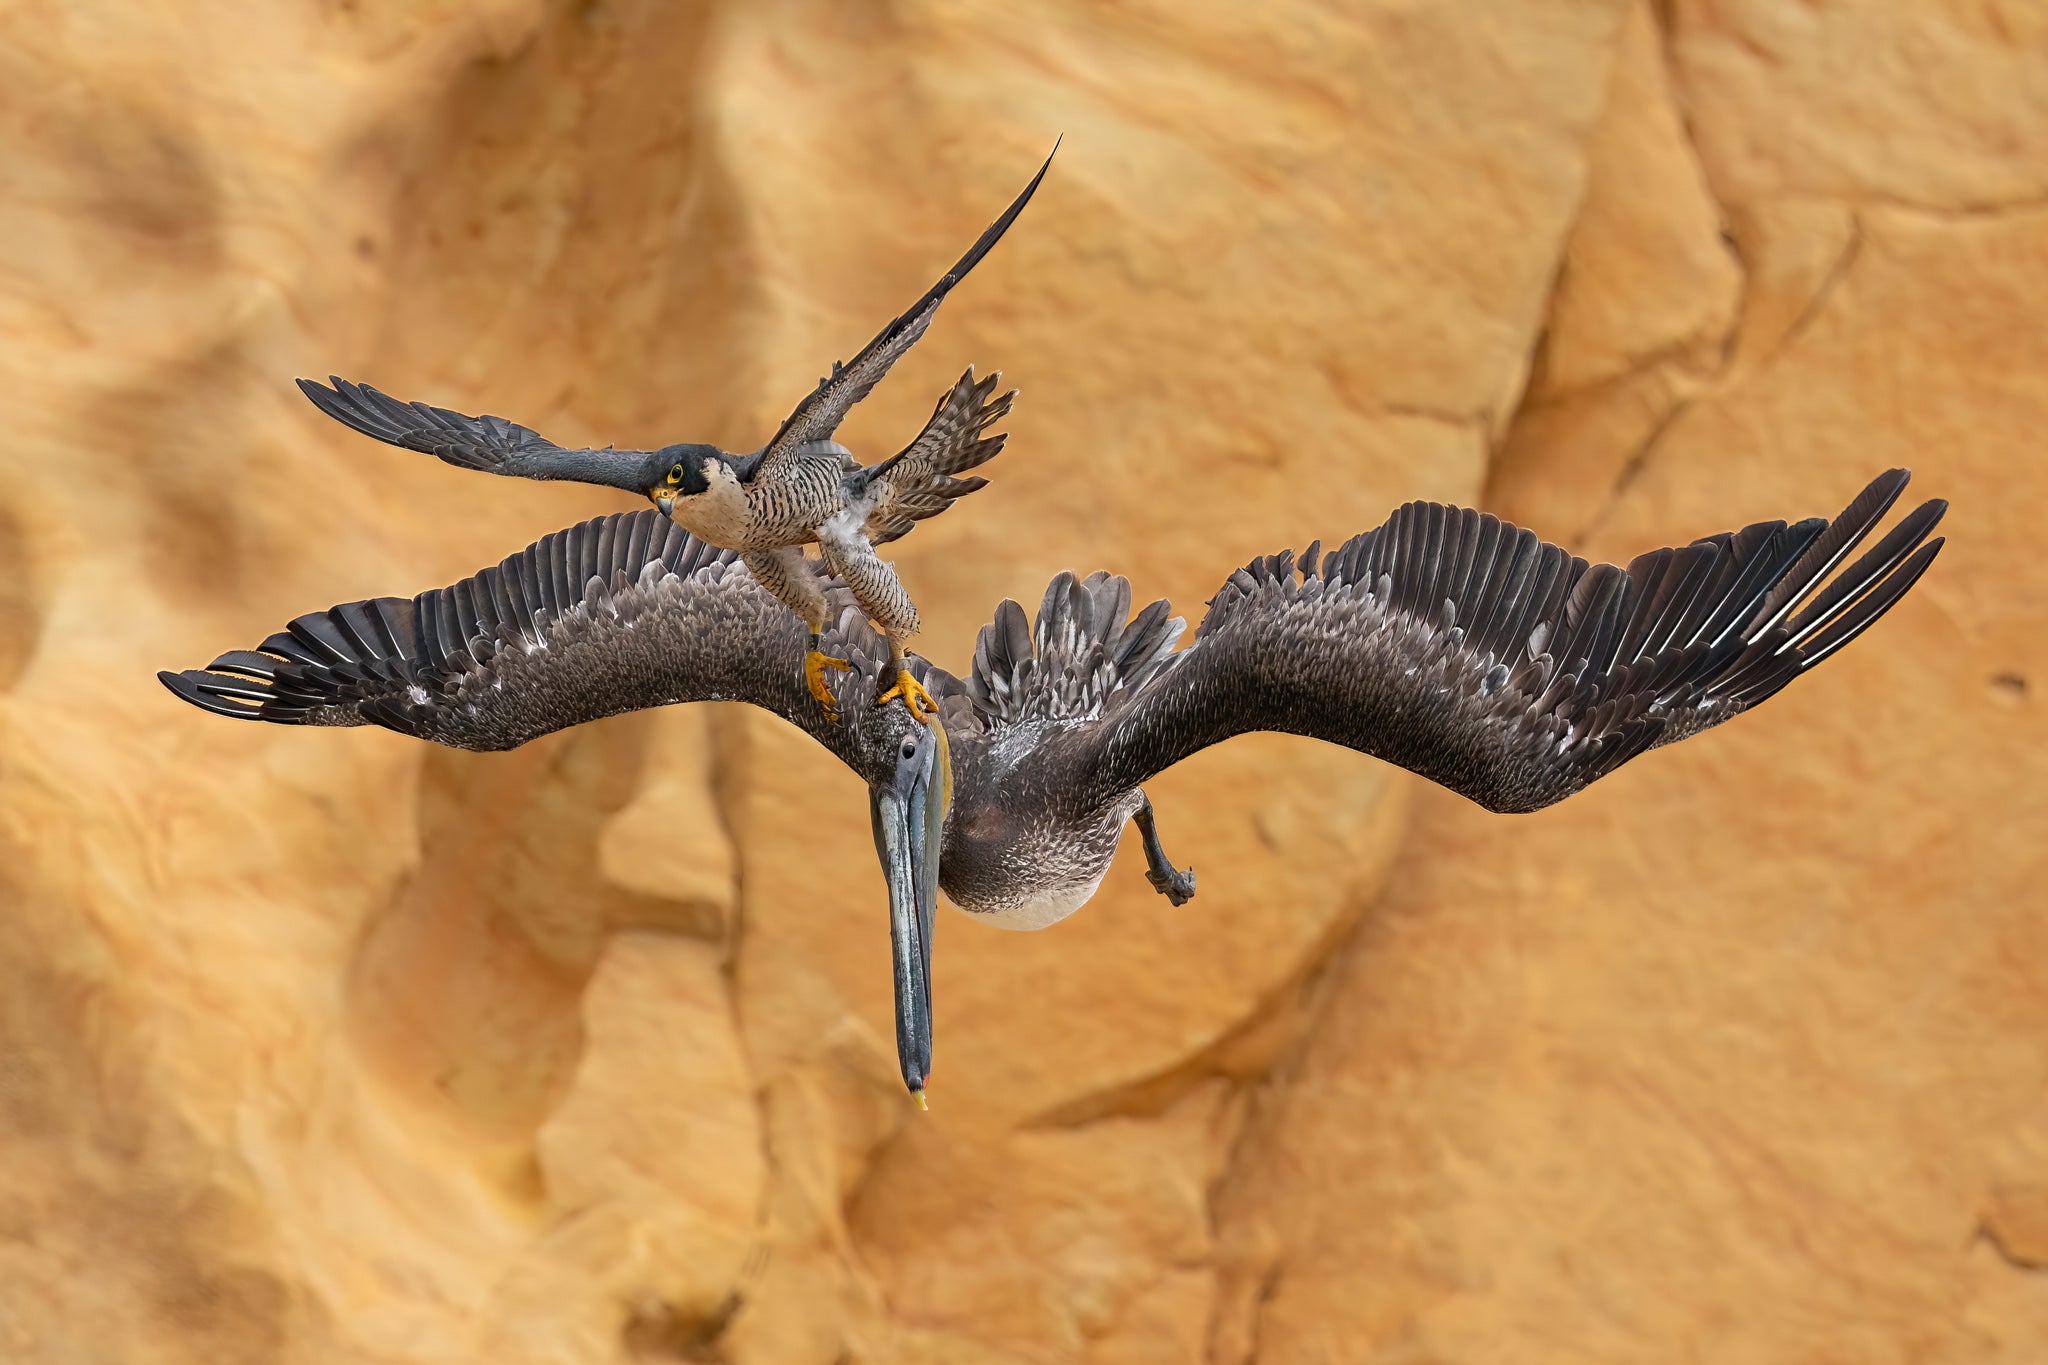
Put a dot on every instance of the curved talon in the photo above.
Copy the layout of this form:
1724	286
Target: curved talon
913	695
815	664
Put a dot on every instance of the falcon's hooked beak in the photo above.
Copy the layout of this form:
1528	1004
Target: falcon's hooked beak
909	813
665	499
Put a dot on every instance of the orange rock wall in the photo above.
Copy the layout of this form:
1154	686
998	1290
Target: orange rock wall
323	1047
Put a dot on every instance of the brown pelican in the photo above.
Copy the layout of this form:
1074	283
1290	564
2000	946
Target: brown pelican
801	488
1446	641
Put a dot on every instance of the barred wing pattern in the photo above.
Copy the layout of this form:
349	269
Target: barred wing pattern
922	480
1466	650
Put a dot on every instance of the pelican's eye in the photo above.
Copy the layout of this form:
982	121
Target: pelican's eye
909	747
675	474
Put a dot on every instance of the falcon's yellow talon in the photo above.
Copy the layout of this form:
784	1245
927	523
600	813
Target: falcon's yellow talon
815	664
913	695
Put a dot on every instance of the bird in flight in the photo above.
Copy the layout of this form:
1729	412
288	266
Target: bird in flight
802	487
1446	641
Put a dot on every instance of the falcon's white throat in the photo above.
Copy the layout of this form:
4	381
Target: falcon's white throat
720	515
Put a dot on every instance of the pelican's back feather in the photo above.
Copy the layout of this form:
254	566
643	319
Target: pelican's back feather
1082	653
1464	649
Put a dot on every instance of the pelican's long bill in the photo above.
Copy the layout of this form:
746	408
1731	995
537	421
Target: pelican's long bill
910	820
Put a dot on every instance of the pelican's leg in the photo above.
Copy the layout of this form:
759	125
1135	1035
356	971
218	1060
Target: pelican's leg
787	575
850	555
1169	881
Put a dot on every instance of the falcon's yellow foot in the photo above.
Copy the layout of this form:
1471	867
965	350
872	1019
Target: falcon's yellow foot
913	694
815	664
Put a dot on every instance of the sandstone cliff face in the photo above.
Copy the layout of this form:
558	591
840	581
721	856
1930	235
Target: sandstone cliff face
325	1047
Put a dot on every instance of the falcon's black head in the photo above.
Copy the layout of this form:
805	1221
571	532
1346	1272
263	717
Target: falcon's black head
695	484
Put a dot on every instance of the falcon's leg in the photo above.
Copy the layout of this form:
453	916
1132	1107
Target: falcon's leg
880	593
788	577
912	691
1177	886
816	662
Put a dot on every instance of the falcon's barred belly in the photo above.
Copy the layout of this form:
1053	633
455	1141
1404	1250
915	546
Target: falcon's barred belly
801	488
1446	641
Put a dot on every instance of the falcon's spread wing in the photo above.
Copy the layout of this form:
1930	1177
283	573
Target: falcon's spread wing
825	407
1456	646
491	444
616	614
918	481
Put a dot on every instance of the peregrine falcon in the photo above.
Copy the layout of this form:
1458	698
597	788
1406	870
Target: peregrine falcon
801	487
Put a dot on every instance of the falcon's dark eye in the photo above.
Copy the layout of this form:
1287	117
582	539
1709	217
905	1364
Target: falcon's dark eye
675	474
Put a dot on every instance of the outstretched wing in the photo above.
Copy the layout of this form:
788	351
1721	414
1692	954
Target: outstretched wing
1463	649
919	481
490	444
825	407
615	614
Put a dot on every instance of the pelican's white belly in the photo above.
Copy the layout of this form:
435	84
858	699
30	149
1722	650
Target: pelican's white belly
1044	907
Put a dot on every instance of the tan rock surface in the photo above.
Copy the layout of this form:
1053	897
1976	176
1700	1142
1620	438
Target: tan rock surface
325	1047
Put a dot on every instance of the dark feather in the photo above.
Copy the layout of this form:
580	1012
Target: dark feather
1079	654
825	407
1870	569
1455	689
1842	535
490	444
918	481
696	626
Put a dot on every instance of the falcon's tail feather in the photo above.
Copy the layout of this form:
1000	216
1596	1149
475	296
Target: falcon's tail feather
919	480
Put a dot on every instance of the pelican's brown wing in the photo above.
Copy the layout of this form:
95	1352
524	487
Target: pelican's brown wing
825	407
615	614
1461	648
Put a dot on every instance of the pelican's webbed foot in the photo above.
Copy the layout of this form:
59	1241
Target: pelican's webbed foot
815	664
913	694
1169	881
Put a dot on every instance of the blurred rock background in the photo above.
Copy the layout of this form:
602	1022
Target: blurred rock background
329	1048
